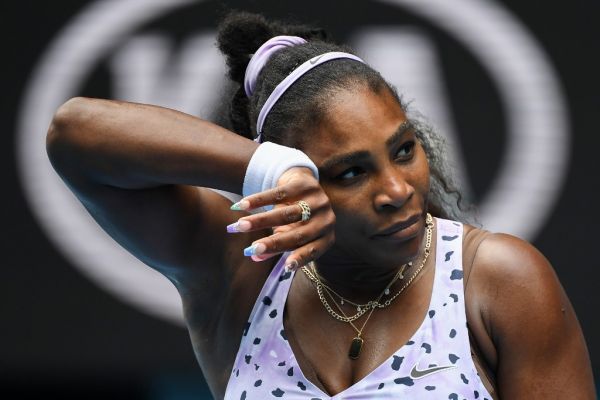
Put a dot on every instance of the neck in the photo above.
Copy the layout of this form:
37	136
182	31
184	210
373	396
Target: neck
360	281
356	277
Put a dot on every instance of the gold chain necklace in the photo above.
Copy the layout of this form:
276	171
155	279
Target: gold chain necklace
371	305
363	308
357	342
386	291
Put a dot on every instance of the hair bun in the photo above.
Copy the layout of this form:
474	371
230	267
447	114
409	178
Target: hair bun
241	33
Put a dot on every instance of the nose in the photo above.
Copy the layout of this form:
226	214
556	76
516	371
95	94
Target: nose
392	191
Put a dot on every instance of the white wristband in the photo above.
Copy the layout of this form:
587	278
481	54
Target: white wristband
268	163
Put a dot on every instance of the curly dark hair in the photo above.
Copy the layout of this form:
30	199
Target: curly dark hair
241	34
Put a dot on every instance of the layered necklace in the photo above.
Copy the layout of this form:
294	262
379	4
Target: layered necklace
324	291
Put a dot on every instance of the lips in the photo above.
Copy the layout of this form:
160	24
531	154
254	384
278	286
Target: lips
398	227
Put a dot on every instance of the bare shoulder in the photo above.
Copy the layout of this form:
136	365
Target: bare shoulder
530	321
507	262
516	287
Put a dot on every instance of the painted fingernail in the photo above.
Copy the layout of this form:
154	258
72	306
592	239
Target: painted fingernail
240	205
260	258
239	226
255	250
291	266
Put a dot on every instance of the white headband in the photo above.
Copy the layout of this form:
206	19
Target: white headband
293	77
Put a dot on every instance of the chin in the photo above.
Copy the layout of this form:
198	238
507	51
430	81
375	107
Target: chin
394	252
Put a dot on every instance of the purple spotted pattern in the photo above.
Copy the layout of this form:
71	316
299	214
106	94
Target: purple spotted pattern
266	368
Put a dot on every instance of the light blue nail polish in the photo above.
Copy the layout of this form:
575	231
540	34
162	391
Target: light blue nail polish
255	250
251	250
235	207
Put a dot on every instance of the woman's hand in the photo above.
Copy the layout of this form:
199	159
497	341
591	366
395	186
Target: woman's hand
307	239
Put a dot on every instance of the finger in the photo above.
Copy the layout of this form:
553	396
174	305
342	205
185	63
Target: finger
281	242
305	247
268	197
283	215
277	195
307	253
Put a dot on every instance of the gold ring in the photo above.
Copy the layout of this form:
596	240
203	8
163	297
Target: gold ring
305	210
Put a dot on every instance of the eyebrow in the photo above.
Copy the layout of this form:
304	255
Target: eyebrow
358	156
396	136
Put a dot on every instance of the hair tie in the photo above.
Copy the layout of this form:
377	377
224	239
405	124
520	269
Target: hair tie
262	55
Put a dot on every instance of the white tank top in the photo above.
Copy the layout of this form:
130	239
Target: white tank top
435	363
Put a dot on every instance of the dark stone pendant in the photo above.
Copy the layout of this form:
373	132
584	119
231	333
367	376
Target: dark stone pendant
355	348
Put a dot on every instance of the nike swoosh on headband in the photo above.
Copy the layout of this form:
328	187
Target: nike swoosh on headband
315	59
416	374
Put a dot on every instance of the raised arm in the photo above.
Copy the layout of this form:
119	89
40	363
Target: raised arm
133	146
139	170
537	347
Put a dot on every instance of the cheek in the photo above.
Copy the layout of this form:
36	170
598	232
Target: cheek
421	173
350	212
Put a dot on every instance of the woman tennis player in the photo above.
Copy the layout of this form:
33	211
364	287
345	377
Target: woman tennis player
347	270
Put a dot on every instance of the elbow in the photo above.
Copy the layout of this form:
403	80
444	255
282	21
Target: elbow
66	118
61	136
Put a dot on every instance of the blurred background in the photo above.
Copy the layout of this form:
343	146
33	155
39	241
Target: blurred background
513	85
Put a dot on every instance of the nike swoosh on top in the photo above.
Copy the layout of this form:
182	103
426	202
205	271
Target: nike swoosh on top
416	374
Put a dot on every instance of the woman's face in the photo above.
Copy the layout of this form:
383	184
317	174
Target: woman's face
376	175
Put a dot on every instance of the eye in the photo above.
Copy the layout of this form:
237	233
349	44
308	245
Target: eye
405	151
349	174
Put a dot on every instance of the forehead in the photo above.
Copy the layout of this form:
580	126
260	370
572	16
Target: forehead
356	120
